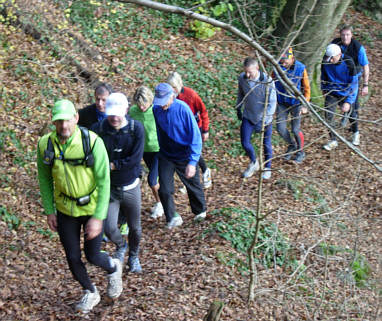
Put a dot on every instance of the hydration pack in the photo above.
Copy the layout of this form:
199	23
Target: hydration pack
87	160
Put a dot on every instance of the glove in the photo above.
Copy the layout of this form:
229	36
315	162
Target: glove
239	114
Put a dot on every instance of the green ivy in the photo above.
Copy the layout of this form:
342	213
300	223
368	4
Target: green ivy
361	270
204	30
11	219
235	226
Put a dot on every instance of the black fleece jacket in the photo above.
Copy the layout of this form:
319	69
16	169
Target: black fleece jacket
125	149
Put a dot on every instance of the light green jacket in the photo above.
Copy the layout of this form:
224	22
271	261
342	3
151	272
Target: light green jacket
64	179
148	121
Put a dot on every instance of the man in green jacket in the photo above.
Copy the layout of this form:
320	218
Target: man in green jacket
75	190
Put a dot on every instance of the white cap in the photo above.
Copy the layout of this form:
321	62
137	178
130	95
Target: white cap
116	105
331	51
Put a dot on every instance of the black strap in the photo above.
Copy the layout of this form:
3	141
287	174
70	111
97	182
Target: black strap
350	64
88	159
49	153
76	199
262	77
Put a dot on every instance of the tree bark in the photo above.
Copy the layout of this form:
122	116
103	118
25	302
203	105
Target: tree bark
322	18
214	312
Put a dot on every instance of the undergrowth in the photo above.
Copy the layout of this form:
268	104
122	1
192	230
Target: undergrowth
234	225
13	222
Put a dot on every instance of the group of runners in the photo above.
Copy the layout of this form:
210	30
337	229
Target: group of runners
90	175
343	67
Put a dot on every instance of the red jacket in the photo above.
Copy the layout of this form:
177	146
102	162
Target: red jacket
192	99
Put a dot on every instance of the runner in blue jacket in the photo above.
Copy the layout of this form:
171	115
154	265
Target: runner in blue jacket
180	144
289	104
339	84
354	49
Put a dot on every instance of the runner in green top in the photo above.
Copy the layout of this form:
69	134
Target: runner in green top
75	194
143	112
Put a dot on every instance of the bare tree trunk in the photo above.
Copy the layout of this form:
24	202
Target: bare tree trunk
259	208
311	40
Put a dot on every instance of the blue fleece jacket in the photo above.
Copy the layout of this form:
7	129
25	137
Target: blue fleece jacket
178	133
295	74
340	79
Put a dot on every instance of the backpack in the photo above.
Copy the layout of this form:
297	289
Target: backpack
87	160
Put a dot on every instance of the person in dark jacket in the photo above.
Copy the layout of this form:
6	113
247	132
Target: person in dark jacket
124	140
357	52
288	104
339	84
253	85
95	112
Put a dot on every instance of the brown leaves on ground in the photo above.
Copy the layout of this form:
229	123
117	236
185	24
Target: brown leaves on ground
332	198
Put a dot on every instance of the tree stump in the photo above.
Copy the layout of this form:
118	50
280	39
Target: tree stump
214	312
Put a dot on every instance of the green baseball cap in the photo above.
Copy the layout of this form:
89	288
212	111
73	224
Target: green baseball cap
63	110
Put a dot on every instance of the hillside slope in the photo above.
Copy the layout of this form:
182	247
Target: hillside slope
323	248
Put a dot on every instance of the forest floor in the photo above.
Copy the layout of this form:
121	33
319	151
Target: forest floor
327	210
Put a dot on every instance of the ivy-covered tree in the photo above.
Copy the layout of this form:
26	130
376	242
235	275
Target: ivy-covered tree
309	26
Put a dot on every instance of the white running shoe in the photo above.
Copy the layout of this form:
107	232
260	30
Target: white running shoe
207	181
88	301
356	139
200	216
175	221
157	210
114	286
267	174
251	169
331	145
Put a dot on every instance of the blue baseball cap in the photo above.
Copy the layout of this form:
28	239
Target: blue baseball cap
163	93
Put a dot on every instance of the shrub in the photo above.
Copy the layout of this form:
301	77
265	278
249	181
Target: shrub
235	226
